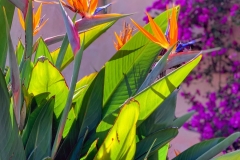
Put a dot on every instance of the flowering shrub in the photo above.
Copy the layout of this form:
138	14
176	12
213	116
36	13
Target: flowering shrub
216	24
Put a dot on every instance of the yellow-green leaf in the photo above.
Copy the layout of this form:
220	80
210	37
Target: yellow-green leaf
46	78
120	142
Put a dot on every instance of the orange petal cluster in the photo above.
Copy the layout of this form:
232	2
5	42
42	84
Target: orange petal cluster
37	24
85	8
124	36
158	36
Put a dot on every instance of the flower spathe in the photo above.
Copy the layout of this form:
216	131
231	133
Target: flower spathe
159	38
37	20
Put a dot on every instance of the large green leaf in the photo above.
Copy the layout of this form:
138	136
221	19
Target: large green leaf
120	142
77	98
90	112
36	103
46	78
42	50
39	143
161	118
90	36
229	156
127	69
152	97
9	7
11	146
162	138
207	149
86	114
30	122
155	94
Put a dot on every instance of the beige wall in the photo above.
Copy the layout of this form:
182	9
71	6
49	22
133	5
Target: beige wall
102	49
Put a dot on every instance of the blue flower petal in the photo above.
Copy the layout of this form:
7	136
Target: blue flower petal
181	46
102	8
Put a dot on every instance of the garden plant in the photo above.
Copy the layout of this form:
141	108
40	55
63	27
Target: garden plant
218	108
124	111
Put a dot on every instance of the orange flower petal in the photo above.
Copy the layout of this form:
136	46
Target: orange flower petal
158	32
36	30
92	6
84	5
22	22
173	32
116	46
147	34
70	2
37	17
119	41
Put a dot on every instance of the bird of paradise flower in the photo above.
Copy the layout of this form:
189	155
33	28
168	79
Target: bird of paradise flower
124	36
37	20
168	39
86	8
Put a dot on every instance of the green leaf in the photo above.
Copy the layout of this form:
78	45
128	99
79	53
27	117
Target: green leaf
42	50
7	76
161	154
78	97
90	36
181	120
30	122
46	78
62	52
36	103
90	111
9	8
85	115
220	147
235	155
152	96
39	142
155	94
130	66
27	72
161	118
207	149
163	137
120	142
91	152
19	52
158	68
14	75
11	146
